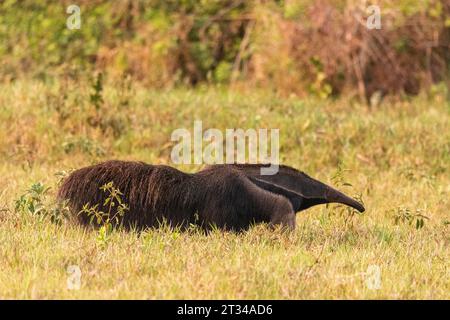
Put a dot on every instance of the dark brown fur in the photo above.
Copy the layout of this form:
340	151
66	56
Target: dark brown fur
228	196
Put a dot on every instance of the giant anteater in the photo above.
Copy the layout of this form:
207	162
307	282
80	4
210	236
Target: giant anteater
230	197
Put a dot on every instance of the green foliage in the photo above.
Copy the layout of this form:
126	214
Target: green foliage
35	202
339	180
108	214
319	87
295	9
163	43
406	215
99	114
223	72
96	96
115	208
32	201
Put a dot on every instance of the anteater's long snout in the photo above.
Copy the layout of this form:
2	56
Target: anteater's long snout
336	196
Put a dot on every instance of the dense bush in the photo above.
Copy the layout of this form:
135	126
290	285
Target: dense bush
301	46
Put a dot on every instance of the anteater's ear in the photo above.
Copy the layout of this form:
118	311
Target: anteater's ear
302	190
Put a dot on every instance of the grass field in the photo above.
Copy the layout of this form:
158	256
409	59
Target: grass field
395	156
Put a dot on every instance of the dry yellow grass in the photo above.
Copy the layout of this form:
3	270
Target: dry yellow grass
398	158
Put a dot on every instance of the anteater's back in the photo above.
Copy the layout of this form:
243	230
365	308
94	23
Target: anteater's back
151	192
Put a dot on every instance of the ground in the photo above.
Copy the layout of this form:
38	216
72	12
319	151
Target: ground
394	156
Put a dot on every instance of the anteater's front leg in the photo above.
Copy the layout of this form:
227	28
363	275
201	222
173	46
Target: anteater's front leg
283	215
277	210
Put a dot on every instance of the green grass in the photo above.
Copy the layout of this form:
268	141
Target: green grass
397	157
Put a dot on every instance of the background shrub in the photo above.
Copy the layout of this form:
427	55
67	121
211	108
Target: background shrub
302	46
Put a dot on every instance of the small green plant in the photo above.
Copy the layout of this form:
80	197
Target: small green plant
406	215
105	116
339	180
319	87
103	235
197	226
108	214
96	96
34	202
